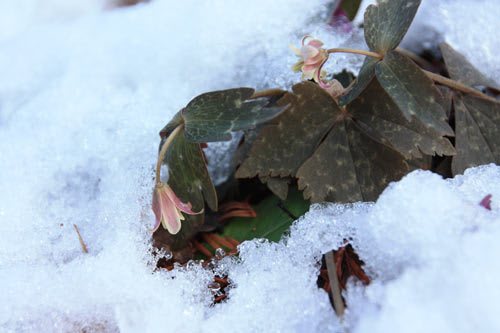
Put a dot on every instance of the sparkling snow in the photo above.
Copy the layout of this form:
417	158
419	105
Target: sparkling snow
84	91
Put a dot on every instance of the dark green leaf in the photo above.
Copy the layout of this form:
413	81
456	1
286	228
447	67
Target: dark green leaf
213	116
189	178
281	149
349	166
366	73
414	93
477	124
350	7
274	217
172	124
387	22
377	114
461	70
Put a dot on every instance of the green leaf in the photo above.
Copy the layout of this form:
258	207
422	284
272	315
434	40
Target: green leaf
351	8
414	93
387	22
213	116
191	182
477	124
274	217
366	73
281	149
461	70
349	166
377	114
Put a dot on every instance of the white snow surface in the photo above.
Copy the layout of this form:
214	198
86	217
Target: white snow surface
83	94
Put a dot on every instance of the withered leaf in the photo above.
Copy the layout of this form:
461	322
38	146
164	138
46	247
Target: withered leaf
347	264
461	70
377	114
414	93
477	124
191	182
349	166
214	115
281	149
387	22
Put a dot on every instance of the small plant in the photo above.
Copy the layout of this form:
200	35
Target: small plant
326	141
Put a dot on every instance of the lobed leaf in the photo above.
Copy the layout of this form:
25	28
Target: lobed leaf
213	116
413	92
366	73
477	124
349	166
377	114
461	70
387	22
281	149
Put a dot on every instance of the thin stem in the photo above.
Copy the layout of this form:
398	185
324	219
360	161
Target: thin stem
363	52
458	86
267	93
338	303
163	150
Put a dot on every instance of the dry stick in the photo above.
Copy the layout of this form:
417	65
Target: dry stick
334	285
163	150
81	239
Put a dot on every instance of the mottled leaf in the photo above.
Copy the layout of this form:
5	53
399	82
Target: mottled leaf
213	116
277	185
477	124
281	149
349	166
387	22
366	73
414	93
461	70
377	114
189	178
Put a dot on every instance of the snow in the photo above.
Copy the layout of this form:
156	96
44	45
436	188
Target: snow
83	95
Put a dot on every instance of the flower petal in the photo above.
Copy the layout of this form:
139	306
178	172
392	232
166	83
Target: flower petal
309	52
297	67
295	50
156	210
186	208
170	218
315	43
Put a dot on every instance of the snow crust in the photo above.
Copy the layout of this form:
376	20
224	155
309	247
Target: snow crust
83	94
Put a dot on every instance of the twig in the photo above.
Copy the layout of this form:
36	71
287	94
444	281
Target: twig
338	303
81	239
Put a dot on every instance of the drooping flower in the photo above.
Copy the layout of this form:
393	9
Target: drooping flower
312	58
168	209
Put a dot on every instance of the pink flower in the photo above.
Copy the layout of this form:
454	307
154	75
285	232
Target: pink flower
168	209
312	58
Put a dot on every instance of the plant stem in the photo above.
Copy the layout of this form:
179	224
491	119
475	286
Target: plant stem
458	86
267	93
363	52
338	303
433	76
163	150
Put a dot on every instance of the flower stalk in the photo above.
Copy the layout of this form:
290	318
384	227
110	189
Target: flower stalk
163	150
